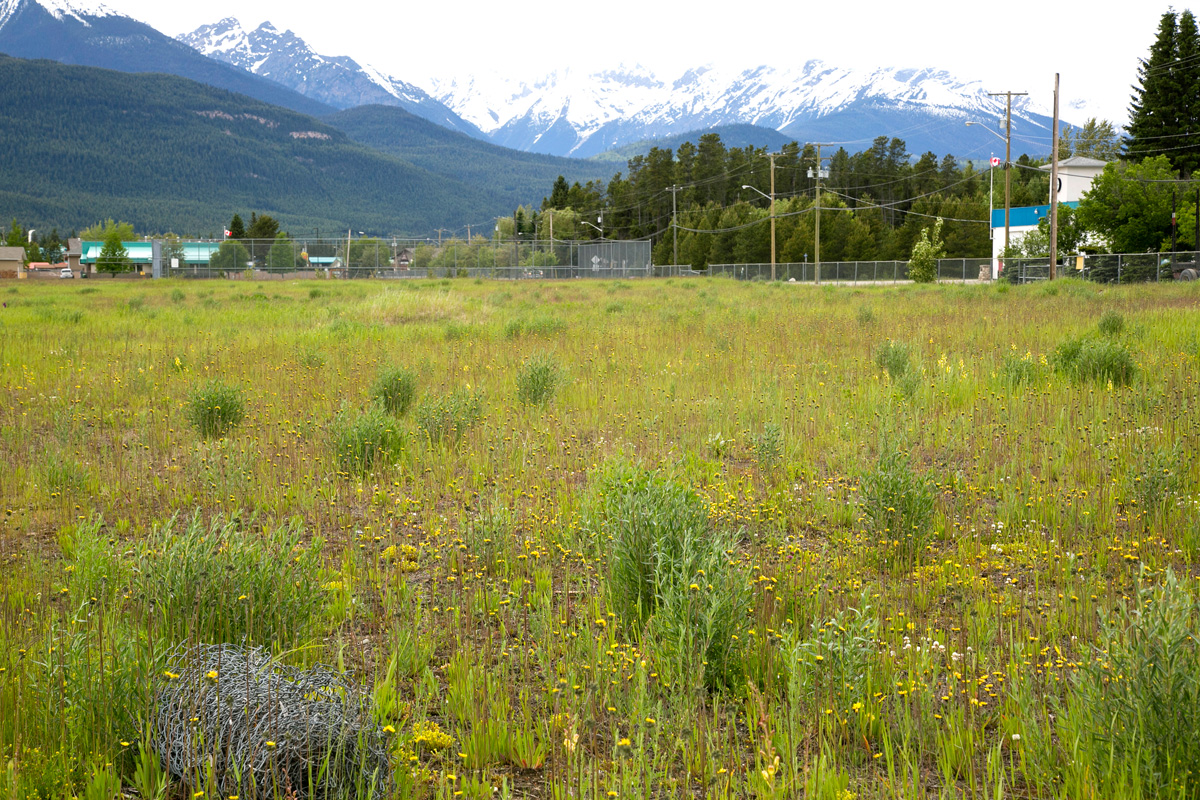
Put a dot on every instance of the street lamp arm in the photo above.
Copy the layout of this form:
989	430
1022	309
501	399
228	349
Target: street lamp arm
999	136
760	191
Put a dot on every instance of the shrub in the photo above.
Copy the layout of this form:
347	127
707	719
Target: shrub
669	570
1140	695
215	408
537	380
923	263
367	440
1095	360
448	416
893	358
897	503
1155	476
395	388
768	446
1112	323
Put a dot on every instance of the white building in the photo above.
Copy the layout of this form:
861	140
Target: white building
1075	175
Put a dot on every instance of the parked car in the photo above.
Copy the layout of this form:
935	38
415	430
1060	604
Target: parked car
65	272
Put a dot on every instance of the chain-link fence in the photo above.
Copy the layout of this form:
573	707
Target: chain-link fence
949	269
519	259
1106	268
366	257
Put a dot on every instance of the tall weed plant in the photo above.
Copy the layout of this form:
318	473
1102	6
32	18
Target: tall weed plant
1140	693
445	418
215	408
395	388
367	440
897	503
1091	359
538	379
220	581
670	571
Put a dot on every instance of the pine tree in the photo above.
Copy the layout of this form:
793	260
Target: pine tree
1165	109
1186	74
237	228
114	257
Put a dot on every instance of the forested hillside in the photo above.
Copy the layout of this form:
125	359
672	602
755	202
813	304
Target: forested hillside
79	144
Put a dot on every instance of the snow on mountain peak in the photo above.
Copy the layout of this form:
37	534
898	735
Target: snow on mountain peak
80	10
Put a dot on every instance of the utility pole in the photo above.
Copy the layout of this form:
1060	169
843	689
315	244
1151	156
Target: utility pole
1054	188
817	231
773	217
1007	158
674	228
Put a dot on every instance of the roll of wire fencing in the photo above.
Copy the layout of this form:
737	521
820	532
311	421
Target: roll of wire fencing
234	720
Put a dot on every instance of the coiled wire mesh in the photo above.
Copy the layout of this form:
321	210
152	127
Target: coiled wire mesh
234	719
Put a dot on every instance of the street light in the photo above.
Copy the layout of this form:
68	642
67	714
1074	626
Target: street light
590	225
770	197
1007	179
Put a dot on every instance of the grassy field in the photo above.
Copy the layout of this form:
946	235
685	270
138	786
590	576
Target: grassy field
678	538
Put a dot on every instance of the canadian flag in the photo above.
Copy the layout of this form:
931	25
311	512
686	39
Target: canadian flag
228	233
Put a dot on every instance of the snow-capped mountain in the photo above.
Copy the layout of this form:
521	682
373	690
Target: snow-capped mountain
87	33
581	114
341	82
81	10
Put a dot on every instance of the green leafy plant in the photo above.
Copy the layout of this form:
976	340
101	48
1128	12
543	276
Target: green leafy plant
1140	693
670	570
893	358
538	379
923	263
897	503
215	408
395	388
366	440
447	417
1089	359
1112	323
221	582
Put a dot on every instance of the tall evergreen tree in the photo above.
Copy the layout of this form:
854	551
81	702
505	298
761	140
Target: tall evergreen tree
1164	114
237	228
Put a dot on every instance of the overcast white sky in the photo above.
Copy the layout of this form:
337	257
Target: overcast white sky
1016	45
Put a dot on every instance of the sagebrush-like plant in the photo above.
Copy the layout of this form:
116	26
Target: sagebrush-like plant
669	570
893	358
897	502
1112	323
1140	693
219	582
366	440
395	388
1095	360
538	379
447	417
215	408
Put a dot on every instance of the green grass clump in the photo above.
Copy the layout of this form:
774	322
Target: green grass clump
220	581
395	388
1017	370
1088	359
447	417
215	408
893	358
1112	323
897	503
367	440
538	379
1139	698
669	571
